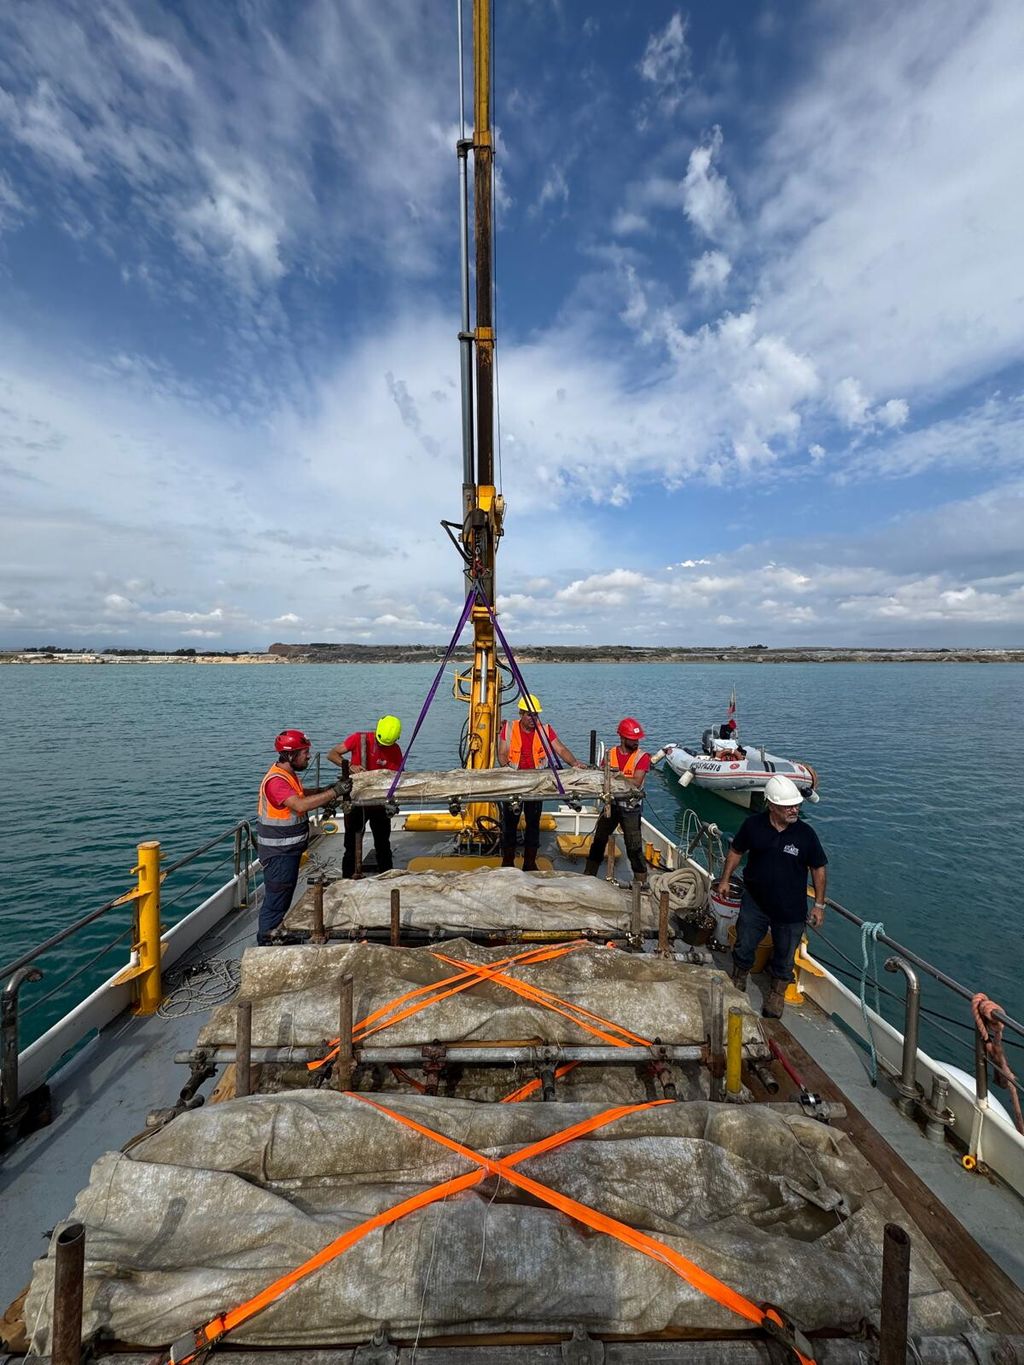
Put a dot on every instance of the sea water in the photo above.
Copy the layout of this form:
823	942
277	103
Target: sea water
919	816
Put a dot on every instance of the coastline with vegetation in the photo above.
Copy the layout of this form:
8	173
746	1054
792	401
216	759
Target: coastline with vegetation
325	653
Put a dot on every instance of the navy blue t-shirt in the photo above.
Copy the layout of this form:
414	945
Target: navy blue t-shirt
777	864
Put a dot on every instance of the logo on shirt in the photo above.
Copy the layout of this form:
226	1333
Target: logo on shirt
792	848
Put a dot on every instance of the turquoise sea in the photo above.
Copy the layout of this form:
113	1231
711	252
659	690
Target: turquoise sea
918	763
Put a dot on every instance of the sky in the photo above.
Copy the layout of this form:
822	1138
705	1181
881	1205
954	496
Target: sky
760	317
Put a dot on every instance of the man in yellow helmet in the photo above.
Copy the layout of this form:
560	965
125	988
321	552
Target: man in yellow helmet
370	750
520	746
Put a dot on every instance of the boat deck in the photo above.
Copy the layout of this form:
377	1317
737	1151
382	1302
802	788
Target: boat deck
102	1096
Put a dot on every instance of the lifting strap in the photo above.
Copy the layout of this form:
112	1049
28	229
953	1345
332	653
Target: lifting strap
194	1345
531	1087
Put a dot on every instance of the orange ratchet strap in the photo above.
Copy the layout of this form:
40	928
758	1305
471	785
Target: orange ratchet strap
194	1346
559	1006
464	980
531	1087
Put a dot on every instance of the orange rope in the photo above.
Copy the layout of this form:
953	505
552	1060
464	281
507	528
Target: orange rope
991	1030
223	1323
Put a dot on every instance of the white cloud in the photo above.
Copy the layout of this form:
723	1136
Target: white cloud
708	201
666	62
892	196
710	272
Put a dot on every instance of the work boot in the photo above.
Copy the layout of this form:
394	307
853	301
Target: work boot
591	869
508	856
529	860
775	1000
738	977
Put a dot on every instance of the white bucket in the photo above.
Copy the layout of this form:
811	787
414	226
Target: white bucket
725	909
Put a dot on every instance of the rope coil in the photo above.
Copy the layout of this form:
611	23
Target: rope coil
991	1031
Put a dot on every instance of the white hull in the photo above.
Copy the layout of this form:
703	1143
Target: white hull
739	780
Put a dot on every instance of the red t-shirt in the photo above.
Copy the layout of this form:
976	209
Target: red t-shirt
278	791
526	754
388	756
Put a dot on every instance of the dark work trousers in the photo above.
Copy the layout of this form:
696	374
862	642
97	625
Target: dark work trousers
380	826
628	820
751	927
280	877
510	824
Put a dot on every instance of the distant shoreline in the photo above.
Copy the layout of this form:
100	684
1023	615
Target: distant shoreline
532	655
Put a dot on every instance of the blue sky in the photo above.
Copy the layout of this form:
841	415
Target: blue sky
761	321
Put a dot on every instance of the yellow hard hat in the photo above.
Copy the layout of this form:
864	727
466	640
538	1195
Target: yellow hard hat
532	705
389	728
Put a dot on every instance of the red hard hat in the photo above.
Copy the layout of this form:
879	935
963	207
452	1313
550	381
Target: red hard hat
290	740
630	728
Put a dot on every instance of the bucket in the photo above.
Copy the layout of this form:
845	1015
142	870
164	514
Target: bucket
726	909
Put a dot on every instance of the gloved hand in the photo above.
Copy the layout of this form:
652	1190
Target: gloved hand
340	787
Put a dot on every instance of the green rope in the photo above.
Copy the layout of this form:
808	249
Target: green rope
870	932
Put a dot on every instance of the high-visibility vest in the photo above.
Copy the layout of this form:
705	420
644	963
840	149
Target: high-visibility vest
515	745
278	829
626	769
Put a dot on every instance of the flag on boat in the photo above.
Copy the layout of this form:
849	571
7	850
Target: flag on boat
731	713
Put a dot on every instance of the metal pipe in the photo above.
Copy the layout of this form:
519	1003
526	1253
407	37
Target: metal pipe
635	922
980	1069
935	1128
907	1086
243	1048
734	1054
763	1073
396	918
474	1055
9	1097
892	1341
148	986
343	1061
317	934
68	1281
663	948
593	748
717	1039
465	342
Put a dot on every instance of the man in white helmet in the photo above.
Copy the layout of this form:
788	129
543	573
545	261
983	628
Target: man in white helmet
781	850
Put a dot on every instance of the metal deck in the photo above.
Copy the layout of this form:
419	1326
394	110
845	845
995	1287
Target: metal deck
102	1096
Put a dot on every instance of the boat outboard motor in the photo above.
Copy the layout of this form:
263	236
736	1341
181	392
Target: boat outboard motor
706	741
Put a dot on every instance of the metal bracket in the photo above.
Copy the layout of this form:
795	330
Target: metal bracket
824	1197
377	1351
582	1349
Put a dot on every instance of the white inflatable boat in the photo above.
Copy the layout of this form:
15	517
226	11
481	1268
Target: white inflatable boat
735	771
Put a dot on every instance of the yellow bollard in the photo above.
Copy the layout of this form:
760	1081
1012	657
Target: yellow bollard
734	1053
149	989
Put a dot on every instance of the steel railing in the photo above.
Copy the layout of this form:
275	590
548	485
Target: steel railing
142	975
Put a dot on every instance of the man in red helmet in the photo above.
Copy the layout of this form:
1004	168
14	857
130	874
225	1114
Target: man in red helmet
282	826
629	761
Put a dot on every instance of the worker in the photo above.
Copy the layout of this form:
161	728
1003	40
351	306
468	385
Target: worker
781	849
369	751
520	746
282	827
631	763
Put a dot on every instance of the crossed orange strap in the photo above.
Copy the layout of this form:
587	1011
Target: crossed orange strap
472	974
195	1345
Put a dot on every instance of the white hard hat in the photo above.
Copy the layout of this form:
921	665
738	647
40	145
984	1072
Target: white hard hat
782	791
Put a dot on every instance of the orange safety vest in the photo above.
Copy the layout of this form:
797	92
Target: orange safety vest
278	829
515	745
631	760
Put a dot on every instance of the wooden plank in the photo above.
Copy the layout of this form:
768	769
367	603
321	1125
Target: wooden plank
994	1294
